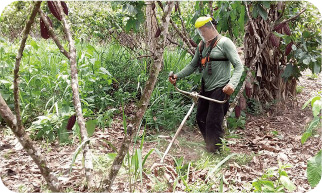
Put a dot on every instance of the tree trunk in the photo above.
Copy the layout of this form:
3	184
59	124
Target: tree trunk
76	99
15	123
144	101
271	63
151	25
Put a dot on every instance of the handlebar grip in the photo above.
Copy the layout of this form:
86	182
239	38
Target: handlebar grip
171	74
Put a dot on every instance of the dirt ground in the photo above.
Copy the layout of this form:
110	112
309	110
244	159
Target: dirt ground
268	139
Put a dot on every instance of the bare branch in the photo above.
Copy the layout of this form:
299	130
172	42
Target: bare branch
76	98
183	37
16	123
176	43
27	144
252	23
290	19
254	60
211	9
52	34
182	23
142	106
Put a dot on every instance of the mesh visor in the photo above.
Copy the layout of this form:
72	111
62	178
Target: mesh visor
207	32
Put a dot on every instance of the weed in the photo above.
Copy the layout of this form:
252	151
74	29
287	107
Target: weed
234	123
22	188
299	89
8	154
313	76
243	159
275	179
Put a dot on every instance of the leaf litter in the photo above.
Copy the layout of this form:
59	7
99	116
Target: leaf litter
268	138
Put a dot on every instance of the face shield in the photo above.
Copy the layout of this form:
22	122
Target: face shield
207	31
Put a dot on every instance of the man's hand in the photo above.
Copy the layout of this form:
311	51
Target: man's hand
173	79
228	89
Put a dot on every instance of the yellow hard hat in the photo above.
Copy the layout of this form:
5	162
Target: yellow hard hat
201	21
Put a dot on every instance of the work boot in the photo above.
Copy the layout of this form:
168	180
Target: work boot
213	148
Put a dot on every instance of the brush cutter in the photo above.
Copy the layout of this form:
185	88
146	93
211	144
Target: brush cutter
195	96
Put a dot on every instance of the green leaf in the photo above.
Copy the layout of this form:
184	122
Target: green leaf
63	135
130	24
313	99
90	50
104	71
307	60
111	156
268	185
146	156
314	123
279	188
257	186
79	148
279	35
317	68
140	163
5	82
255	11
305	136
314	169
221	186
219	165
287	183
266	4
288	71
307	102
306	34
262	12
316	108
241	19
34	44
90	126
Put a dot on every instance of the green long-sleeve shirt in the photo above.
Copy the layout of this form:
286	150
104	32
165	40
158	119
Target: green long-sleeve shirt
225	48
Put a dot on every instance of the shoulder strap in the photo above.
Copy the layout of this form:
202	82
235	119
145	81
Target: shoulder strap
201	46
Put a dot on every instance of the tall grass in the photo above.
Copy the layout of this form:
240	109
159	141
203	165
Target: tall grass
108	76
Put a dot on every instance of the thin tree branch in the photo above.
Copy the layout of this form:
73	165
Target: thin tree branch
184	38
76	98
52	34
290	19
176	43
144	101
27	144
6	114
252	23
254	60
182	23
211	9
16	124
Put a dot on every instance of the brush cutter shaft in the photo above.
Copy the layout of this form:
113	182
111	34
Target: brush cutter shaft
178	131
195	95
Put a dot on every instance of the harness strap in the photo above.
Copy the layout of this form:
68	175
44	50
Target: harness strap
204	60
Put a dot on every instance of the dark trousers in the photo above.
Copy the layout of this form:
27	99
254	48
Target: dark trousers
210	116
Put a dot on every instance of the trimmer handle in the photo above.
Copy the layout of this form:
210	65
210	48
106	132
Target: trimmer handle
171	74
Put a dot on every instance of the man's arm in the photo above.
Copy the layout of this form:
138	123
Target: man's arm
190	68
233	57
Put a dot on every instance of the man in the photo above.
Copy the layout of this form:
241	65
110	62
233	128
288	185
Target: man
213	57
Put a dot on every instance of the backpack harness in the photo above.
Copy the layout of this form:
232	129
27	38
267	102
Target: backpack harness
204	60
